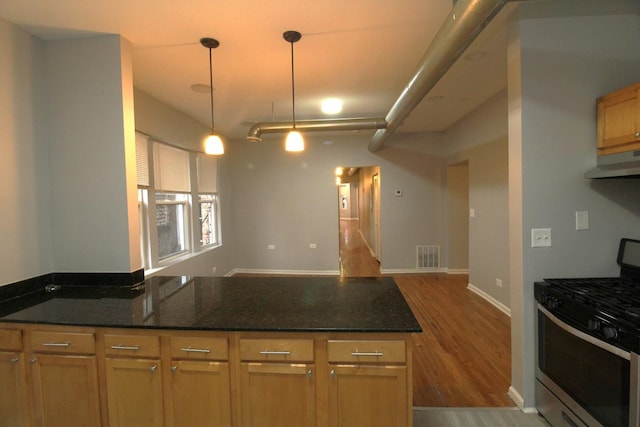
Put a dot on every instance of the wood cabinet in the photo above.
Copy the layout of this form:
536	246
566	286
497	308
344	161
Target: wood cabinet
62	376
618	124
13	385
65	379
277	384
134	380
368	384
198	391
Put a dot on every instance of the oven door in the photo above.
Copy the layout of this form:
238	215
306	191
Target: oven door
594	380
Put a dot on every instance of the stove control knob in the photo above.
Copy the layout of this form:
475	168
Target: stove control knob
610	332
553	303
593	324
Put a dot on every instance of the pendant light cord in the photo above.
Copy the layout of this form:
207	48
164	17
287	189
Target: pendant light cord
211	85
293	89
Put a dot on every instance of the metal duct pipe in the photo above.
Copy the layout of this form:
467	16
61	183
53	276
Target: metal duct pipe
315	125
466	20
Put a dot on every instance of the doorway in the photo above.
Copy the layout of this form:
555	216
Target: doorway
358	214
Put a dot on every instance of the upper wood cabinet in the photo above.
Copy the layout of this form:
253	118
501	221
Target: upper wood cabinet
618	123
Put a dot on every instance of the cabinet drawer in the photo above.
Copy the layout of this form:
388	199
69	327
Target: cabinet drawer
10	339
199	348
276	350
132	345
362	351
63	342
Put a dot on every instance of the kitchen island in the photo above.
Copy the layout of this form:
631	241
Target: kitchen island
218	351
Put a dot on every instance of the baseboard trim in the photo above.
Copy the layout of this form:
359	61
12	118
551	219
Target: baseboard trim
457	271
519	401
283	272
412	270
500	306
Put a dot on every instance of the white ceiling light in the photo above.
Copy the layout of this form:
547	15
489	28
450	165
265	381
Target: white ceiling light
331	106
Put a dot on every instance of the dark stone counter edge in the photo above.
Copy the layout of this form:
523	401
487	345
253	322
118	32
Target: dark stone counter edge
344	330
37	284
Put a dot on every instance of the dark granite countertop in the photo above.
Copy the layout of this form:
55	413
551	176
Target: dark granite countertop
312	304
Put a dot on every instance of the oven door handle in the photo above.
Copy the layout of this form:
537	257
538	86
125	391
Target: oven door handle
585	337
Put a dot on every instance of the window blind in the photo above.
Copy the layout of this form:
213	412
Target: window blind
171	167
207	172
142	160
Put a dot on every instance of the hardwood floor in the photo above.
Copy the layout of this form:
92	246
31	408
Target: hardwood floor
355	258
463	356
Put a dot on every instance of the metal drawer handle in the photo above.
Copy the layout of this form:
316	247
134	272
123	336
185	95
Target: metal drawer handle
126	347
174	369
371	354
153	368
281	353
56	344
15	359
196	350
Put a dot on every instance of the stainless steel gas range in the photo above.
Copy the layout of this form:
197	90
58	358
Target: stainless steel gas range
588	341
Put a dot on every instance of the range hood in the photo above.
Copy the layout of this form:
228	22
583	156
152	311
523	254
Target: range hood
619	165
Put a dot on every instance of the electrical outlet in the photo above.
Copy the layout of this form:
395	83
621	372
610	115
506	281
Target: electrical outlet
213	269
499	283
540	237
312	246
271	246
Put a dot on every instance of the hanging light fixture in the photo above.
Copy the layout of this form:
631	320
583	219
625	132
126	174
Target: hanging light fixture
213	143
294	140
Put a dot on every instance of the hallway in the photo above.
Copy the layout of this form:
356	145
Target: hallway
355	257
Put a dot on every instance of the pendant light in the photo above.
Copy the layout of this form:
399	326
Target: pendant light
213	143
294	140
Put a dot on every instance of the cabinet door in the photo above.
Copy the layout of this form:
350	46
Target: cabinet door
66	390
13	390
134	392
619	121
200	394
277	394
372	396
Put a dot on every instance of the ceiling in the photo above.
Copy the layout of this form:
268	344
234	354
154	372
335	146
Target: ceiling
362	51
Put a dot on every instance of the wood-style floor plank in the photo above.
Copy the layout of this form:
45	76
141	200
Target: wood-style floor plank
463	356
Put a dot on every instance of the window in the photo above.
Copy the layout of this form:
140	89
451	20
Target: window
208	219
176	191
208	200
172	224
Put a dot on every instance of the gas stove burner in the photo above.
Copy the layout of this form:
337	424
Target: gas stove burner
633	312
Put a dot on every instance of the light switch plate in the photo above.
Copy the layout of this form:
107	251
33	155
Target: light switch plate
540	237
582	220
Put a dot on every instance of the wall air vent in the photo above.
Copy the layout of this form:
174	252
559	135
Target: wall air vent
428	257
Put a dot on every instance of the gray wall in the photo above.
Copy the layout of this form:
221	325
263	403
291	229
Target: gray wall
558	66
480	140
25	229
166	124
289	200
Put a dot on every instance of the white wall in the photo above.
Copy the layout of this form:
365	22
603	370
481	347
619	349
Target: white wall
25	228
562	66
